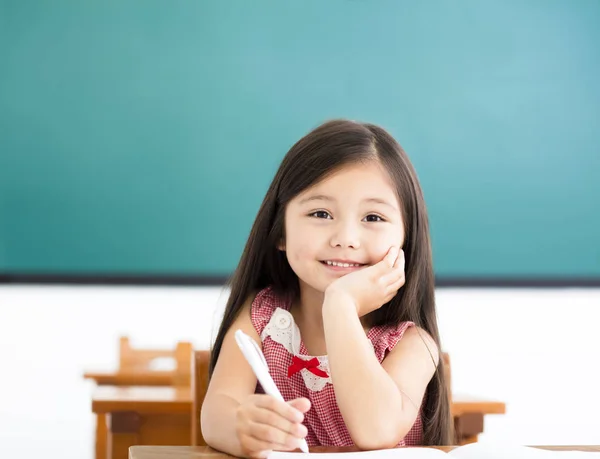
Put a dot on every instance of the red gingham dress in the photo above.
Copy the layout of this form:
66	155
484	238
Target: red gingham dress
281	340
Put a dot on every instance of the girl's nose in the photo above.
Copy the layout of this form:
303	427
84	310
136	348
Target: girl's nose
345	236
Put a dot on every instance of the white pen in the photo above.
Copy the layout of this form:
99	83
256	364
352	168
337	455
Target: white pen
257	362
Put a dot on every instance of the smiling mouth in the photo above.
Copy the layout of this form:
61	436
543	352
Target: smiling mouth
341	264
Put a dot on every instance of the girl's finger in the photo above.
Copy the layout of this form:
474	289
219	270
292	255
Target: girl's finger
400	260
283	409
257	448
273	419
390	258
392	277
260	448
395	286
273	437
302	404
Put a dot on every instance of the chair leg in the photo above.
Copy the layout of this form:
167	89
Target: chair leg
101	434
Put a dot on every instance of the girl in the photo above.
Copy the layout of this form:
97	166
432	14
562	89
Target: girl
336	284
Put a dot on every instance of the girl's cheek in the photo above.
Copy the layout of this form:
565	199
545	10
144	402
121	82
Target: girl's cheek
298	251
305	253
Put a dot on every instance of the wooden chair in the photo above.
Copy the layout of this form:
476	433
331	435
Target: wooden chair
137	367
446	363
151	415
200	364
468	412
448	374
142	360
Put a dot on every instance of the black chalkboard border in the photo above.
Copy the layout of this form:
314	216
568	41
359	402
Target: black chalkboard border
220	280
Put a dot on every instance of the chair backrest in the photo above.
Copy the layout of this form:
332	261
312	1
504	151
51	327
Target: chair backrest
144	360
446	363
448	374
200	363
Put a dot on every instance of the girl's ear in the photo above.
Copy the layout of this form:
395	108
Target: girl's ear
281	246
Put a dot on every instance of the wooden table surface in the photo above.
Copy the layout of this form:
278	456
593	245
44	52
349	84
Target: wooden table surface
205	452
137	378
463	404
142	399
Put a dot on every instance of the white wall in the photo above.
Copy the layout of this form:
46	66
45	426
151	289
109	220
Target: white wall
534	349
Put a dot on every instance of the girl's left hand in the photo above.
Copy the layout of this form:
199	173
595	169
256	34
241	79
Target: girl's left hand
372	287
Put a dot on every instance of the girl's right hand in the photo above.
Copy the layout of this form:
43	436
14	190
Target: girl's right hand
371	287
264	424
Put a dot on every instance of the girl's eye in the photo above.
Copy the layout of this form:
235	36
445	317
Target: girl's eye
373	218
320	214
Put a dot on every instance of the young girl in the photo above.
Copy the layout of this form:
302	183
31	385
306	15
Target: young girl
336	284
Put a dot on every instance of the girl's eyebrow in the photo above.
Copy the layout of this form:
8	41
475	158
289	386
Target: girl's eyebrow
381	201
322	197
317	197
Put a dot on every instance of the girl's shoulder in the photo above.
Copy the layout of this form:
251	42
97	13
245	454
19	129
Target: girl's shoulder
385	337
265	303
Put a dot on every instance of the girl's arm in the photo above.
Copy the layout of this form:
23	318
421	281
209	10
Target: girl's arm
379	402
236	421
231	382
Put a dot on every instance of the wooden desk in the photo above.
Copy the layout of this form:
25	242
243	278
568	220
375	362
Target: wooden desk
128	416
205	452
465	404
138	378
469	413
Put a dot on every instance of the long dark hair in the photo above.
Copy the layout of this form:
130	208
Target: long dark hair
318	154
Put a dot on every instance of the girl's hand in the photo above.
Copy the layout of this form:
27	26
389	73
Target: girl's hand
372	287
264	423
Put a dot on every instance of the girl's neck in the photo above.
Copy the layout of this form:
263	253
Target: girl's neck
307	310
307	313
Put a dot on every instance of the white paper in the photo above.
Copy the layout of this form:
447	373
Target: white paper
471	451
397	453
506	451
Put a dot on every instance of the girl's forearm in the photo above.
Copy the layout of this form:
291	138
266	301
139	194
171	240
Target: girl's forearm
218	424
368	399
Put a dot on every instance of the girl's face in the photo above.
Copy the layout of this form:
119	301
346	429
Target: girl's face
344	223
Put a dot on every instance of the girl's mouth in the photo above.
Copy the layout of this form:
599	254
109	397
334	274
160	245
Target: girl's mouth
342	265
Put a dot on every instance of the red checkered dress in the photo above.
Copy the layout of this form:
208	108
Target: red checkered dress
281	342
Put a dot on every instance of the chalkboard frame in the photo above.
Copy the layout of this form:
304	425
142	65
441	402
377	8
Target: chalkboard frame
213	281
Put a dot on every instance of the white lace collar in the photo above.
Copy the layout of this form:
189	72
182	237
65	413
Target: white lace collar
283	330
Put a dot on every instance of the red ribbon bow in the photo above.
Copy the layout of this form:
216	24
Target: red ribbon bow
311	365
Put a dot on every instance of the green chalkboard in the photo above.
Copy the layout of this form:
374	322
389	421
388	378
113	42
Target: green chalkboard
138	137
